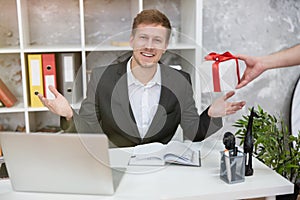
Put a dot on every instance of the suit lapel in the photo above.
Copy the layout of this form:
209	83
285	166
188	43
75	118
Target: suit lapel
121	97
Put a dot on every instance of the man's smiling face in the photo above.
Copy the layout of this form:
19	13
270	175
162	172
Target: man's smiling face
149	42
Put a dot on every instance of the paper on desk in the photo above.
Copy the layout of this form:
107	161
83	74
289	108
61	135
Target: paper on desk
147	149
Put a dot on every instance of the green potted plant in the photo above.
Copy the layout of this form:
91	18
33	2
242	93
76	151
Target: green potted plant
274	145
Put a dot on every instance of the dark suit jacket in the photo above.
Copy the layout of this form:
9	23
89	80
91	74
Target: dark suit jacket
107	109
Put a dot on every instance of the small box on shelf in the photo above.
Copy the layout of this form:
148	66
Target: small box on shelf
6	96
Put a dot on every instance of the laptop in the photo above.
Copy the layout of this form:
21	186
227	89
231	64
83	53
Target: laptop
59	163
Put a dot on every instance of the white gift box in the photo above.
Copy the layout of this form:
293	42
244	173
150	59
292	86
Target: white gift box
228	76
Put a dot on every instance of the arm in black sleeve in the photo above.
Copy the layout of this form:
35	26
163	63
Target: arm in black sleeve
88	119
195	127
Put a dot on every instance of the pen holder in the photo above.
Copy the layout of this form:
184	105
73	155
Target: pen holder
232	168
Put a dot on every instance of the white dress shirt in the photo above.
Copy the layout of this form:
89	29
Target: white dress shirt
143	99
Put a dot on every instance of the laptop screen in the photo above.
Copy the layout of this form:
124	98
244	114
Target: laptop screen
59	163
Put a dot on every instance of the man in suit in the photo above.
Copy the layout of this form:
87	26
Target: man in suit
142	100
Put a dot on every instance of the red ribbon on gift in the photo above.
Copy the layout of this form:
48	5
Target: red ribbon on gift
215	67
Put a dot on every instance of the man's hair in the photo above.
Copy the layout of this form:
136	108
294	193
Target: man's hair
152	16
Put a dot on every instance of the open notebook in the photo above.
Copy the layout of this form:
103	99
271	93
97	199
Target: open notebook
59	163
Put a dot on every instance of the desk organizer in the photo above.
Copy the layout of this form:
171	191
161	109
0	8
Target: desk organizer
232	169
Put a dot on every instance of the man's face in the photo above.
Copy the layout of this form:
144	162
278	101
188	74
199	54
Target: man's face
149	43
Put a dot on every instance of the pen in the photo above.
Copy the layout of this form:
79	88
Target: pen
227	164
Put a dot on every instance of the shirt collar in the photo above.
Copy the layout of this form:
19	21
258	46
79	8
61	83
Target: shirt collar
132	80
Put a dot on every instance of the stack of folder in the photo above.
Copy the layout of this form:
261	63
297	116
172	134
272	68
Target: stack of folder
44	70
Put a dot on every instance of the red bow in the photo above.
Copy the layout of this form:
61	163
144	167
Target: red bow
215	67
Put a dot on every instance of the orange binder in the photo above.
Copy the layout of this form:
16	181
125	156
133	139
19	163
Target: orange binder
6	97
35	79
49	74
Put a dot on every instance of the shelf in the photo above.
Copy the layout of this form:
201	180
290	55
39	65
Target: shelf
31	109
10	49
19	107
53	48
107	48
181	46
98	30
75	106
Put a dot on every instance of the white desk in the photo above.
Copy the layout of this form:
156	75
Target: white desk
176	182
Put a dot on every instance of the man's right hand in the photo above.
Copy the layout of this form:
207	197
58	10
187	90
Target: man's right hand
59	105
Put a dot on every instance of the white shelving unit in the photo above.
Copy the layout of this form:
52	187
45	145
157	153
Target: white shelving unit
88	27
